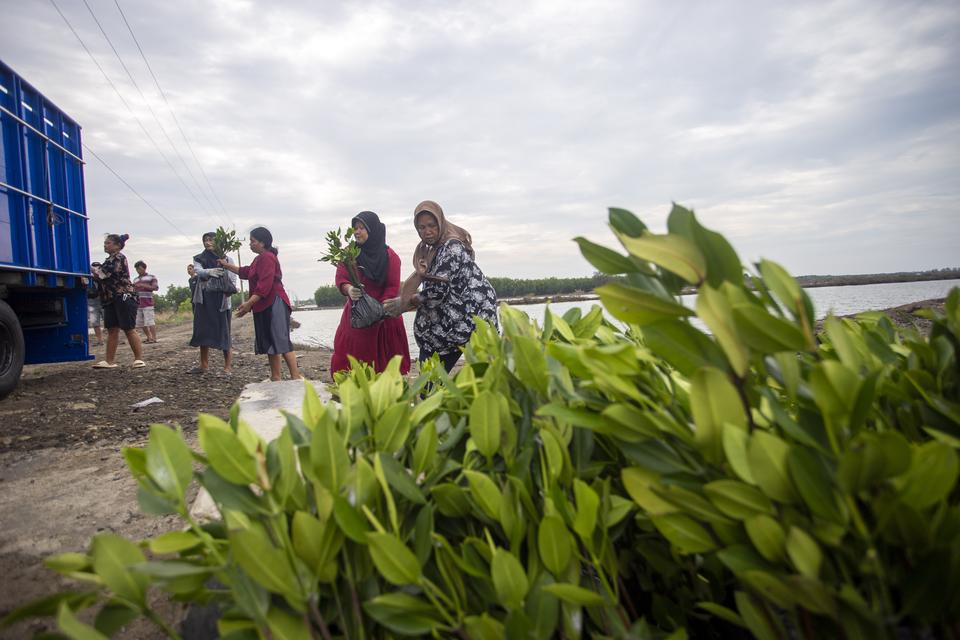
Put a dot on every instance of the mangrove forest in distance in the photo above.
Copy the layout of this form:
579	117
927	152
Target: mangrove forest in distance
328	296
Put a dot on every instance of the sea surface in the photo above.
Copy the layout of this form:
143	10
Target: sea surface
318	327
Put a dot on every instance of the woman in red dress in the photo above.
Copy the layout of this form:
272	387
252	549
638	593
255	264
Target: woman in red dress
379	271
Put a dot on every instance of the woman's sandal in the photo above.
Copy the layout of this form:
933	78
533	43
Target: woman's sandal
137	364
103	364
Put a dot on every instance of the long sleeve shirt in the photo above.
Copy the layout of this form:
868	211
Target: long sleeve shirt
265	278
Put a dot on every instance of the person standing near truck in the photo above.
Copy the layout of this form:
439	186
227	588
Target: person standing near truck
145	284
94	306
119	300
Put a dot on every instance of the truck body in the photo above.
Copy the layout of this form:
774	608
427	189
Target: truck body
44	246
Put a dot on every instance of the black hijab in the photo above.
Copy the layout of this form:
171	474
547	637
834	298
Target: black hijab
373	253
207	258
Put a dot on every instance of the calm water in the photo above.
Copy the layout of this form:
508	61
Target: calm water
318	327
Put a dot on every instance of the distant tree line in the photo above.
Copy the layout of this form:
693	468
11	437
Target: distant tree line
178	299
948	273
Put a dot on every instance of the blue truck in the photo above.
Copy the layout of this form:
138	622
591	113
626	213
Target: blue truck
44	248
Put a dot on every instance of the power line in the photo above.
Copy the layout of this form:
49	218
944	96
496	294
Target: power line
126	104
152	112
136	193
173	115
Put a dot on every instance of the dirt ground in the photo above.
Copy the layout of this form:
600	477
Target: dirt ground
62	478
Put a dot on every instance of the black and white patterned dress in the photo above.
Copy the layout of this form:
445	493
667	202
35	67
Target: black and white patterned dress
444	319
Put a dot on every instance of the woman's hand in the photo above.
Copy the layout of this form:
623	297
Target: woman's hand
392	307
243	309
355	293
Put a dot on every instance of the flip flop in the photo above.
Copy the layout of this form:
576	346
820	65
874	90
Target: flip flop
138	364
103	364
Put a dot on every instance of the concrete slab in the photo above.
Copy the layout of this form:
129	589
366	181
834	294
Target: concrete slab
260	407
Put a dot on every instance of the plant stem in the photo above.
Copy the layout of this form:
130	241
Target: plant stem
318	618
160	622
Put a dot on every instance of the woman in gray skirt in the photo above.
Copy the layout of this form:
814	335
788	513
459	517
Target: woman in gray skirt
269	302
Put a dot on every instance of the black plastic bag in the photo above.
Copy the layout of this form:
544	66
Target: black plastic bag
365	312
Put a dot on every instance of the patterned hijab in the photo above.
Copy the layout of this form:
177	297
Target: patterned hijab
373	253
424	254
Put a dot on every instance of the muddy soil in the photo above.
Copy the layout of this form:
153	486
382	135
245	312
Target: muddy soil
62	477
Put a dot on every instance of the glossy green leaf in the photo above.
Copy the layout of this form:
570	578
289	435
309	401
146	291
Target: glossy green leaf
767	537
574	594
169	461
485	493
684	346
328	455
765	333
400	479
588	504
225	452
755	617
263	561
68	562
738	500
715	310
637	306
425	451
671	252
174	542
736	442
427	406
484	627
624	222
684	533
451	500
352	524
714	401
530	362
555	543
605	260
812	479
403	613
509	579
804	552
932	475
639	483
393	559
767	455
112	558
485	423
74	628
722	612
392	428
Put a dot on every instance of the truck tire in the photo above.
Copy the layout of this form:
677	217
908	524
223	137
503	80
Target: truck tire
11	349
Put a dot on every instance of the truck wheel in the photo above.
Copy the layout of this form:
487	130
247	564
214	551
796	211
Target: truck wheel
11	349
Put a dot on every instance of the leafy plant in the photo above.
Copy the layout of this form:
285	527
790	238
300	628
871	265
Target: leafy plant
343	249
584	478
225	242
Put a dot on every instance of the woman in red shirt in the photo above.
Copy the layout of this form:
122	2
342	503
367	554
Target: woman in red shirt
269	302
379	271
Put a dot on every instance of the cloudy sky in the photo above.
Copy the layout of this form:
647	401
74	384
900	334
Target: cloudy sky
823	135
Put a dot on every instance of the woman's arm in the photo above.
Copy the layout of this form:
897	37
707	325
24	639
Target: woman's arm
447	265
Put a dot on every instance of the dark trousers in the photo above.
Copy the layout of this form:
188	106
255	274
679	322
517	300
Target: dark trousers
447	359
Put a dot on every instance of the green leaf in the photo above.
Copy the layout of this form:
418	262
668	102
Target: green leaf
451	500
782	284
262	561
576	417
427	406
683	346
136	459
315	542
604	259
485	423
574	594
509	579
714	401
738	500
231	496
715	310
112	558
225	453
735	447
671	252
812	480
723	264
639	483
48	606
73	628
351	523
767	455
485	493
765	333
174	542
403	613
425	451
113	617
392	428
871	458
588	503
551	455
637	306
767	536
722	612
400	480
484	627
755	617
555	544
169	461
171	569
804	552
393	559
328	455
624	222
931	477
684	533
285	626
530	363
811	594
68	562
